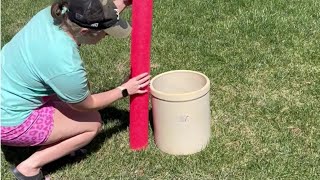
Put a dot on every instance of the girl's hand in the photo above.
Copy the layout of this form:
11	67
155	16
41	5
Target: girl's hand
136	85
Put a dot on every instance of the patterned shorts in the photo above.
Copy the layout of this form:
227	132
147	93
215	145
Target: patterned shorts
34	131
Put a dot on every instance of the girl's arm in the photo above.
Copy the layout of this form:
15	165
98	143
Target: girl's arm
99	101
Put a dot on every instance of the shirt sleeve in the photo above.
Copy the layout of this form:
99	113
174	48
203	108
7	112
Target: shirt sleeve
70	87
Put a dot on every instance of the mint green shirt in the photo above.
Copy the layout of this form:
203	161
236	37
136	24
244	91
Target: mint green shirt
40	60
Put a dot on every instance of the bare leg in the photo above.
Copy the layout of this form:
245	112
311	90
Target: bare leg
72	130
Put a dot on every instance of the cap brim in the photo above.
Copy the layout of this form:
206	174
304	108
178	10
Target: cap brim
121	29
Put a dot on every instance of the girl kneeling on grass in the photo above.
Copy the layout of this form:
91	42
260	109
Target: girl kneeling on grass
42	61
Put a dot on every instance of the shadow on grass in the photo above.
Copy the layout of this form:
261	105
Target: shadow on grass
14	155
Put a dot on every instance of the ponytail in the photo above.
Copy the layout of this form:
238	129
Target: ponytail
59	13
58	10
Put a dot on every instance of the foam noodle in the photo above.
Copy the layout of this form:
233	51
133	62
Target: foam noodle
140	63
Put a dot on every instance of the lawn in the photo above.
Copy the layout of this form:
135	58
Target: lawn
263	62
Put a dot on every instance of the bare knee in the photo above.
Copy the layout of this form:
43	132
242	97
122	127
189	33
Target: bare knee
69	123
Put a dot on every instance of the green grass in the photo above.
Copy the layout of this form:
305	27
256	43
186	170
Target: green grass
263	61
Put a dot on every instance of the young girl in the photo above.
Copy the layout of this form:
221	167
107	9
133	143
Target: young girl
45	99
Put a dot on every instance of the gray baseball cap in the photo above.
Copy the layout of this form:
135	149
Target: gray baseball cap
99	15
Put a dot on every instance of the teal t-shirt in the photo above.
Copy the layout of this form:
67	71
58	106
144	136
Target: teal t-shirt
40	60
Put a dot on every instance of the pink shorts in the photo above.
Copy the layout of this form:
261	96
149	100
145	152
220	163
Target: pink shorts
34	131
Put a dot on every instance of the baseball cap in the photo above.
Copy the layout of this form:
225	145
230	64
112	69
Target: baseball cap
99	15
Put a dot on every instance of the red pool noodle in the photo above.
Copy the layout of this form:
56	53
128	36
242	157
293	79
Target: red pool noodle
140	63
